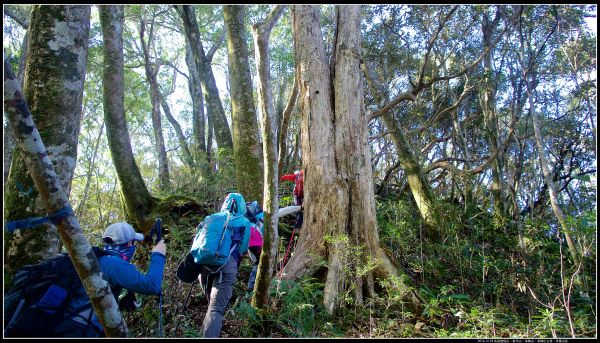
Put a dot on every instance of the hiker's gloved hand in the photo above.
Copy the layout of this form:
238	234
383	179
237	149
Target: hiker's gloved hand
128	302
160	248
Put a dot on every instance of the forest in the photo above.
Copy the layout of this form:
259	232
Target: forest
448	151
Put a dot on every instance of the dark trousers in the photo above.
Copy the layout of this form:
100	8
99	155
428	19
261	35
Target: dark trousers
219	290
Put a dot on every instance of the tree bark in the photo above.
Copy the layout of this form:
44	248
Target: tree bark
151	73
266	266
246	142
338	190
53	83
209	86
137	200
198	121
9	136
54	198
285	124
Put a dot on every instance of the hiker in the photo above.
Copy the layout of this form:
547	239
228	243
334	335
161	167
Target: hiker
220	242
117	270
298	178
48	299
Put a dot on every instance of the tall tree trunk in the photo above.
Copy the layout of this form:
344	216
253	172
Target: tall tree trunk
338	190
137	200
491	116
40	165
266	266
187	155
285	124
246	142
151	73
213	101
54	80
198	122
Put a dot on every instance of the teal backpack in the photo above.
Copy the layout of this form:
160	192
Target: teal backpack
221	233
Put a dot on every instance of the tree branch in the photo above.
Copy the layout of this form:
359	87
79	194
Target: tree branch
23	21
213	49
170	64
431	42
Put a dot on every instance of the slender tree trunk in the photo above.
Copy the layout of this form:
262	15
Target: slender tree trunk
198	122
285	123
50	187
338	191
90	172
187	155
53	83
137	200
246	142
419	186
560	216
209	86
151	73
266	266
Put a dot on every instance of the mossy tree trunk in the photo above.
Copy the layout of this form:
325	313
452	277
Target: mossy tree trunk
268	121
247	149
136	199
151	74
50	186
53	84
209	86
338	190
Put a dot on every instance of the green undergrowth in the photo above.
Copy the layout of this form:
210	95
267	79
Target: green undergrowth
479	281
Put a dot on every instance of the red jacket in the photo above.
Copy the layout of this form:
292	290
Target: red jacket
298	178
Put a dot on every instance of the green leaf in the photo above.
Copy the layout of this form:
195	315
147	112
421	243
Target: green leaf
584	178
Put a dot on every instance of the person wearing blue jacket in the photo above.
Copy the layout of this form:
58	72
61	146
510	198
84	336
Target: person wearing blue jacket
116	267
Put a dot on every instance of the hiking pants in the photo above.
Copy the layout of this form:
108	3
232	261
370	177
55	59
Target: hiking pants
256	250
220	293
300	214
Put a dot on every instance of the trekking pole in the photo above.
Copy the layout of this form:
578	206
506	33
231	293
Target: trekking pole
185	304
284	263
157	229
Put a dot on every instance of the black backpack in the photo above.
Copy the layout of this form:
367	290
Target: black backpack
48	300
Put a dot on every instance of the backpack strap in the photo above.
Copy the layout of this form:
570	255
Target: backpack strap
204	284
37	221
223	232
